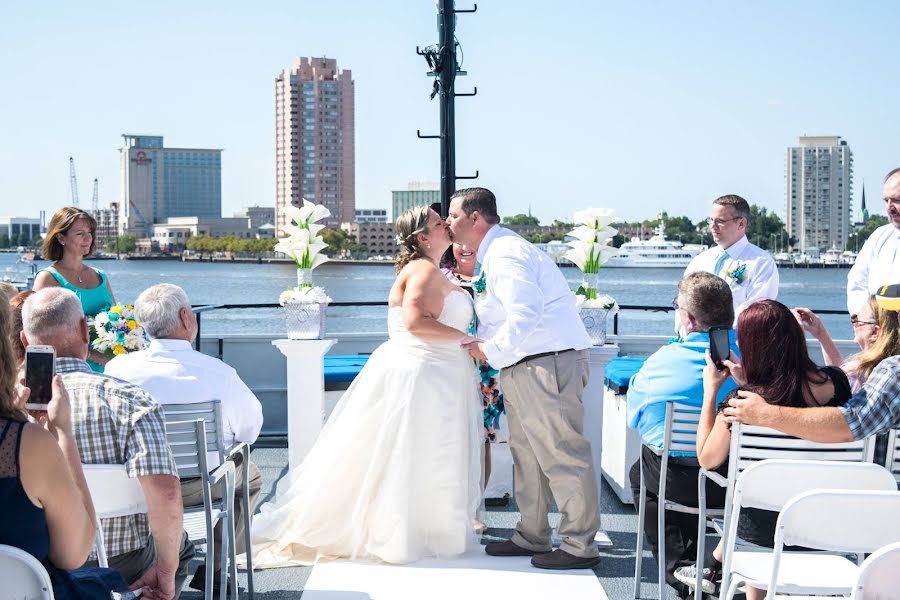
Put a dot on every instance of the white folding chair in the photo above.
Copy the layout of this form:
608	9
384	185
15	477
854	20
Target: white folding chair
879	576
211	414
114	494
776	485
892	458
749	446
680	436
23	576
189	445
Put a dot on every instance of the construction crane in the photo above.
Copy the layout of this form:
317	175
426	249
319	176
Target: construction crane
95	201
73	182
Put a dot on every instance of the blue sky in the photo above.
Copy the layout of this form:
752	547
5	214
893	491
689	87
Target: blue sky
638	106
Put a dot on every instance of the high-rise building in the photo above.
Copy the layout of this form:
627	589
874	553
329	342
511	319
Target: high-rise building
159	182
315	153
371	215
819	185
418	194
107	225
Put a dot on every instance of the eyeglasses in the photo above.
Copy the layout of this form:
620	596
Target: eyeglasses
721	222
857	323
675	303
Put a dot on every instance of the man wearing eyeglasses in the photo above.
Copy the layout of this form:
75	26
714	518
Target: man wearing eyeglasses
879	260
750	271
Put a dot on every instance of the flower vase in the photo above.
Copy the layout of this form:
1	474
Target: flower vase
305	320
304	278
589	282
594	320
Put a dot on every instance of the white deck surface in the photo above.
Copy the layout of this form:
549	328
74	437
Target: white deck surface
473	576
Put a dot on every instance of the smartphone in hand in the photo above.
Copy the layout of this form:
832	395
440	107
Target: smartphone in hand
40	366
719	348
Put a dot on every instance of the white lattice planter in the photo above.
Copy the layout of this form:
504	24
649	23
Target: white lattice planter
594	320
305	320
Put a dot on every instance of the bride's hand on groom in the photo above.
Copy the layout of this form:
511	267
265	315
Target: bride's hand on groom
473	346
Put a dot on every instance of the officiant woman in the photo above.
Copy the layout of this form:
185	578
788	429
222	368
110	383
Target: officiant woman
71	237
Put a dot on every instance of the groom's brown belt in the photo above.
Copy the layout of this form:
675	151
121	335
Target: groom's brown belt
541	355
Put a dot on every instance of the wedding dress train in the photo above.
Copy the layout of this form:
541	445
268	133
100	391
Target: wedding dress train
395	474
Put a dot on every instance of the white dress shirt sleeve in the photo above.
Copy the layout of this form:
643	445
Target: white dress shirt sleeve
513	281
858	277
762	286
243	410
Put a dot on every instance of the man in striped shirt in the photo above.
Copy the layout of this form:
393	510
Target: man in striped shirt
118	423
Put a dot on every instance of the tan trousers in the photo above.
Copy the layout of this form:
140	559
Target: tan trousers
192	495
551	457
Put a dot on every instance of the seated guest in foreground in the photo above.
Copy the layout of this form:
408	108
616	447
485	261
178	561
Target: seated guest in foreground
873	410
172	371
115	422
674	373
47	508
875	330
776	364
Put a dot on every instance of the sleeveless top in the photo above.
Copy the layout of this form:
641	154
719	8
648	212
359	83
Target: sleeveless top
24	526
93	300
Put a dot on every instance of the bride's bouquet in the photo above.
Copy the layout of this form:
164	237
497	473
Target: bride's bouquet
116	331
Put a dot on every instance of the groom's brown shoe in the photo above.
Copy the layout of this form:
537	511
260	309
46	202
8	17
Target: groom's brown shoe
561	560
509	548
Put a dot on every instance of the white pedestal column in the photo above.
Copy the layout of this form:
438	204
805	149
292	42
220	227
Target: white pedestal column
306	393
593	415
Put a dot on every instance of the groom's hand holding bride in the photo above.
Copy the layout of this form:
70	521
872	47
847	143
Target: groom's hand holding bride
473	347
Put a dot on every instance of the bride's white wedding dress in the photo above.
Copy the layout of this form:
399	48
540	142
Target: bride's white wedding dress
395	474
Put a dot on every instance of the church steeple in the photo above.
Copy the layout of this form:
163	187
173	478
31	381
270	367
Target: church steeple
863	210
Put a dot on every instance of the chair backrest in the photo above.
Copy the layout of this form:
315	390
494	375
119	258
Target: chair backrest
211	414
681	428
841	520
751	444
114	494
23	576
892	459
878	575
186	438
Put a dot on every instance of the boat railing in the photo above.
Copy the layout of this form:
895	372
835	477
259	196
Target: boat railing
202	309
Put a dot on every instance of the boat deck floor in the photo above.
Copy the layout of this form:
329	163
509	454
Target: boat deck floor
614	572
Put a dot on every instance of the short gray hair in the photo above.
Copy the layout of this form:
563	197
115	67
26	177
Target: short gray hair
158	307
51	312
708	299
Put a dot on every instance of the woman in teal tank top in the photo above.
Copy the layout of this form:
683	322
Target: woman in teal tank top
70	237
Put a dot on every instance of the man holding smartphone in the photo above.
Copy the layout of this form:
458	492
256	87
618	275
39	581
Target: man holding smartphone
674	373
115	422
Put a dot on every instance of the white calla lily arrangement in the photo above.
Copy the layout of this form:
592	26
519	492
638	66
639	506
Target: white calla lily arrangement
591	248
304	244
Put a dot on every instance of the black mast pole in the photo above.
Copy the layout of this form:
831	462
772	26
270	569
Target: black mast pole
444	68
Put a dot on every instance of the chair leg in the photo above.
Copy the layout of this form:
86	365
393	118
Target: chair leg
210	563
248	518
223	572
661	537
701	535
639	550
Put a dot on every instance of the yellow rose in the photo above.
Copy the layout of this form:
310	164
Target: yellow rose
131	324
116	309
129	307
118	349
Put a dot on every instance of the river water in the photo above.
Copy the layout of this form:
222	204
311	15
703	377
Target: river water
239	283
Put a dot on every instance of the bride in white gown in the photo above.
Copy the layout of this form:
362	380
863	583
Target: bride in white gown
395	474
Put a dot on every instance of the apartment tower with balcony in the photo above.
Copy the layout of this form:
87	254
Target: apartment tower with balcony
314	139
819	185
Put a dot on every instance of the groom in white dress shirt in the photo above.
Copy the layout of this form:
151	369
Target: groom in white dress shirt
748	270
532	333
878	262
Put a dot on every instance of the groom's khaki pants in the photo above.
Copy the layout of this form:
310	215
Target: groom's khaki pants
552	459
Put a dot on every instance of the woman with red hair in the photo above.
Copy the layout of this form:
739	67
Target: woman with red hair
776	365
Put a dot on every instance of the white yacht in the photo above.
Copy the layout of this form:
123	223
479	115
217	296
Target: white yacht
655	252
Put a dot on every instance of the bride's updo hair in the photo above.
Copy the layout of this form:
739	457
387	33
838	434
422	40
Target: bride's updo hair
409	225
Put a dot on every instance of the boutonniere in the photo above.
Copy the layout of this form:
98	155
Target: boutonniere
480	284
737	273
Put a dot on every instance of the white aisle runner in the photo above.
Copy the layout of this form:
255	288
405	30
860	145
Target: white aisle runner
473	576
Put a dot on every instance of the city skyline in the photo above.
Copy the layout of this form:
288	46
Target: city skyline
637	108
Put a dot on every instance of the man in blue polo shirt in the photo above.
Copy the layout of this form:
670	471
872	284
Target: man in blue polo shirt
674	373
